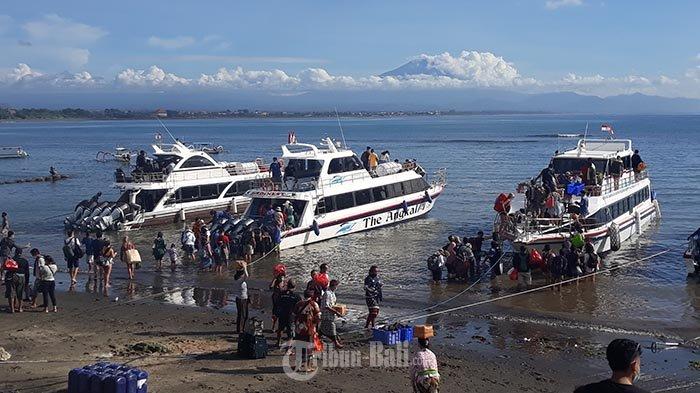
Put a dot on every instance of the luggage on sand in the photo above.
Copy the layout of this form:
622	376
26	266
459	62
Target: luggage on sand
251	346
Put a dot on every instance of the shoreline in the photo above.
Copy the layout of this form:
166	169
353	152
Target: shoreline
475	350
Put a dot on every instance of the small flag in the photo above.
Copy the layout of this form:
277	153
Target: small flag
292	138
607	128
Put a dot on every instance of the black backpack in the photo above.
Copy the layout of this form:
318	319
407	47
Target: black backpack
68	252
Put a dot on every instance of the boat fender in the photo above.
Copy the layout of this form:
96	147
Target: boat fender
315	228
404	206
638	222
428	197
614	235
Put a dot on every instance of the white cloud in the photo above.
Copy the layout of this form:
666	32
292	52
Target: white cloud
443	71
52	28
25	76
171	43
554	4
152	77
482	69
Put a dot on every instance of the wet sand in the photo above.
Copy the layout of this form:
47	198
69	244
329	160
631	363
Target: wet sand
493	349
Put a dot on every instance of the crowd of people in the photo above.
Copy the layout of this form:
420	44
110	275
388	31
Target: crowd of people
465	259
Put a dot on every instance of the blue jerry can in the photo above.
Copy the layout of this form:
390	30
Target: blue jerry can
84	380
96	380
114	384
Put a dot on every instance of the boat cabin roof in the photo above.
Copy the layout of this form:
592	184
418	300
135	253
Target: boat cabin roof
328	149
599	148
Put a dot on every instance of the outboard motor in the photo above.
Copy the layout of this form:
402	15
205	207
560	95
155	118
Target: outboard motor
230	224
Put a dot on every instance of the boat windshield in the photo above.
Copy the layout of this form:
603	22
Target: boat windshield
302	168
163	160
563	165
292	209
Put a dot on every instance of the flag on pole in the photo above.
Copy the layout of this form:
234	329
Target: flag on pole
607	128
292	138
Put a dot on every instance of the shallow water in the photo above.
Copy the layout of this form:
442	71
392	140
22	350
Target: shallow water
485	155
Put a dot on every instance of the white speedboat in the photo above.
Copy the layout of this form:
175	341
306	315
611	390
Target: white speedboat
178	183
120	154
330	194
13	152
615	213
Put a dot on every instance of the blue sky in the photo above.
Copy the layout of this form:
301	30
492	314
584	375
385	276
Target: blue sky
592	47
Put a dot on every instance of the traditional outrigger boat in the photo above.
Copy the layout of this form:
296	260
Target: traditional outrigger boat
13	152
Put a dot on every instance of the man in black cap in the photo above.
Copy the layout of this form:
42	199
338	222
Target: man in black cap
624	358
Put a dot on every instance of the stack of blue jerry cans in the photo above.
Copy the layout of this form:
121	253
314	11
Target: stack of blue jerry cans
105	377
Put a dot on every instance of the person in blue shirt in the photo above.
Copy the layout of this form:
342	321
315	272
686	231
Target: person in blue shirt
89	245
276	171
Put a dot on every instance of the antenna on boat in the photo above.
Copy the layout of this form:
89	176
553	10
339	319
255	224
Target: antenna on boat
585	134
342	134
166	129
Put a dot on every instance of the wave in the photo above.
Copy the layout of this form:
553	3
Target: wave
468	141
558	135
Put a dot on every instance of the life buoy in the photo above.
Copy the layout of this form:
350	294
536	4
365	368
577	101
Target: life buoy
614	235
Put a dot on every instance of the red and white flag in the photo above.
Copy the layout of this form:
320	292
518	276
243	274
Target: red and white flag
607	128
292	137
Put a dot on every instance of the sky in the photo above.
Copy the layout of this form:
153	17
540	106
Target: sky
589	47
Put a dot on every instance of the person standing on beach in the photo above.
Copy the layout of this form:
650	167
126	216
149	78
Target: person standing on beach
425	377
38	262
4	225
240	293
126	246
14	283
624	358
72	253
108	255
288	299
188	240
159	249
98	245
329	313
88	243
47	273
7	245
173	256
307	315
373	295
24	270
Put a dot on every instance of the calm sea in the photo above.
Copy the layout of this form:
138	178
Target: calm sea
484	155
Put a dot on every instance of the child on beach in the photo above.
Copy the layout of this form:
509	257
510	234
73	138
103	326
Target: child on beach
173	256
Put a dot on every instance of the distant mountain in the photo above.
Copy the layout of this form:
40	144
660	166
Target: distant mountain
357	100
418	66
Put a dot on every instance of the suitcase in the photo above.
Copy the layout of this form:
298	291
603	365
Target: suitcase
251	346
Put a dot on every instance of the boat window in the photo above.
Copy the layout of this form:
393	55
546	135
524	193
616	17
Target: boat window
196	162
344	201
209	191
239	188
563	165
148	199
363	197
301	168
330	204
379	193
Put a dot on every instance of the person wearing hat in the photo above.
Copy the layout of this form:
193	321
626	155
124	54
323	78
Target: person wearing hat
624	359
279	217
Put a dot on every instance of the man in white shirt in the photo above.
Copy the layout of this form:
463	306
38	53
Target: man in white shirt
329	314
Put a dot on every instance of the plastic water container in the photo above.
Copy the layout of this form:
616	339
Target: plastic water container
406	333
114	383
73	380
386	337
96	381
141	380
84	380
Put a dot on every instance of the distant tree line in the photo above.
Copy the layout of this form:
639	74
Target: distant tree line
118	114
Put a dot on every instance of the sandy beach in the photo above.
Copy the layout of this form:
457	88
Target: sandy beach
193	349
